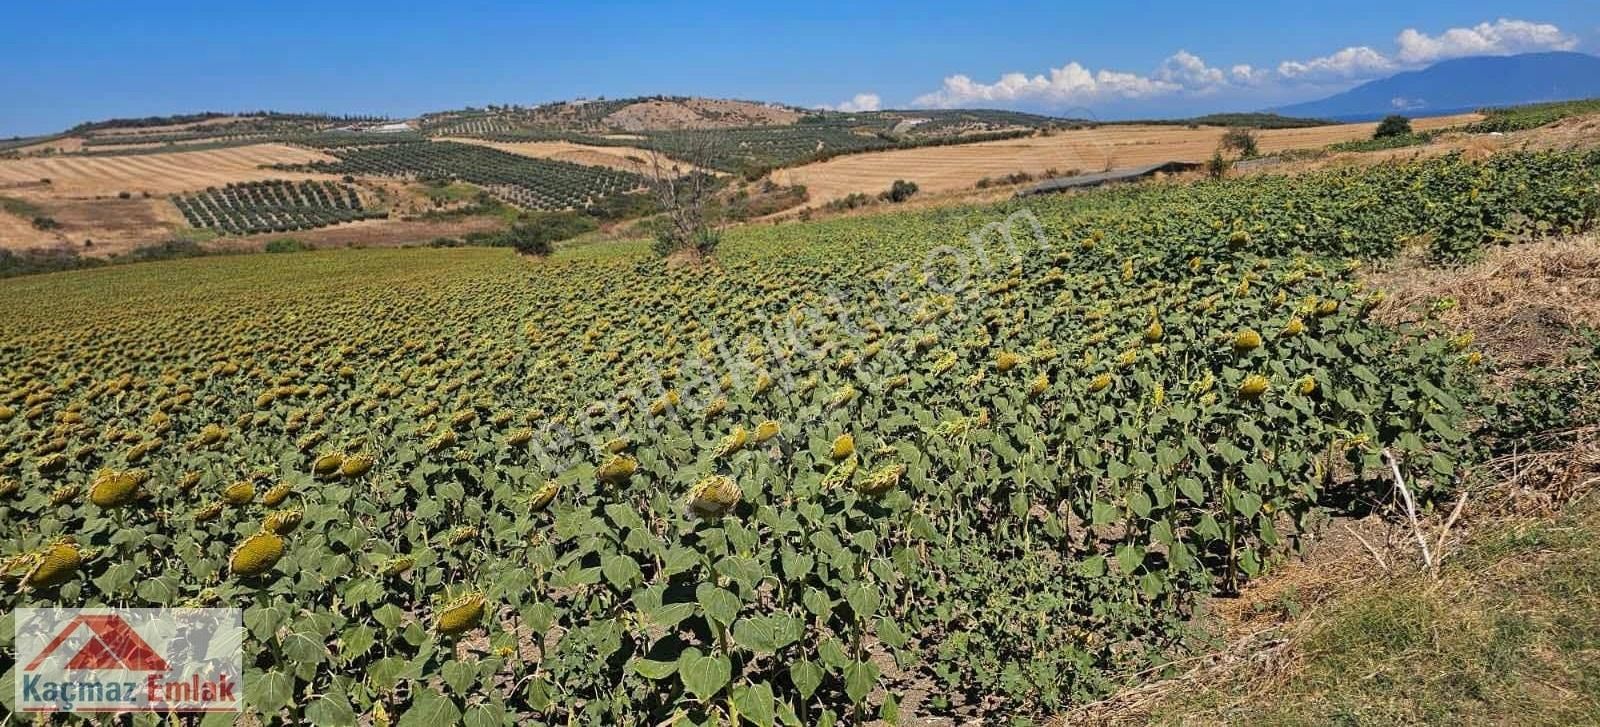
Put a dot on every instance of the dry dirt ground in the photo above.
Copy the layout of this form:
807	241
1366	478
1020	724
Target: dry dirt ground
91	176
698	113
951	168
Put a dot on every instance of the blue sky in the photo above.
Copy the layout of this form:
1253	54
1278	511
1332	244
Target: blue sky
66	62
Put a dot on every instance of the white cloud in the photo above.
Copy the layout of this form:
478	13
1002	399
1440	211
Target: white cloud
1248	75
1348	64
1069	84
1184	73
861	102
1502	37
1189	71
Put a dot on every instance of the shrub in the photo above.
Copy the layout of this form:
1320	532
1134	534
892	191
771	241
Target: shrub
287	244
1395	125
1219	165
900	191
1241	140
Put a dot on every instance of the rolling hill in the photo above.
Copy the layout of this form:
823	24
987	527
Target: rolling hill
1464	84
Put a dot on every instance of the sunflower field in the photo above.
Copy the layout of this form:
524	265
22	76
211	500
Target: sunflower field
963	462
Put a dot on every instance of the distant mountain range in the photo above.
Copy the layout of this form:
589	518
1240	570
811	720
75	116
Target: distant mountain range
1463	84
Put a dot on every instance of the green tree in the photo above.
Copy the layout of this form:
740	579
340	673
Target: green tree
1241	140
1395	125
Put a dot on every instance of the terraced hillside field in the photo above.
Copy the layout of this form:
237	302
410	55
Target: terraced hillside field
949	168
852	470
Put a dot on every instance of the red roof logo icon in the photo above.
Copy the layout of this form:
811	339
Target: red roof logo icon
113	644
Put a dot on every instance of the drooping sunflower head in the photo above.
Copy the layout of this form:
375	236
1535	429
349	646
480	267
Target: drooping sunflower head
1154	333
64	494
881	480
766	430
1246	341
210	511
283	522
256	554
1253	387
53	565
843	446
617	470
328	464
1307	385
461	614
543	496
733	442
714	496
275	495
112	488
239	493
1295	327
356	465
397	565
1099	383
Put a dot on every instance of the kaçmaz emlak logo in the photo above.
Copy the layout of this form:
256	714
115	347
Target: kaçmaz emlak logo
128	659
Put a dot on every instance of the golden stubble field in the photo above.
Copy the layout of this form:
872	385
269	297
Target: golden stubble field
83	193
159	173
950	168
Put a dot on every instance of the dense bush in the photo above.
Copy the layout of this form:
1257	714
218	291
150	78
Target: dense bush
1393	125
287	244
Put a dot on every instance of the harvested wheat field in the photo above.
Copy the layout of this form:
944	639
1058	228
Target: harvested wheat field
948	168
88	176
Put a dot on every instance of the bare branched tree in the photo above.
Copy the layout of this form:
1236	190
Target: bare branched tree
679	178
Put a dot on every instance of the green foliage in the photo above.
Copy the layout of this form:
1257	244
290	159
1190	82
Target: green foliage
286	244
1547	408
1240	140
1386	142
1218	166
1008	475
1392	126
535	233
542	184
1531	116
246	208
898	192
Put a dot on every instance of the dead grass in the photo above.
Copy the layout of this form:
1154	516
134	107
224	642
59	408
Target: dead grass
1507	635
1524	302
